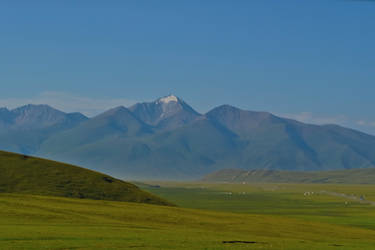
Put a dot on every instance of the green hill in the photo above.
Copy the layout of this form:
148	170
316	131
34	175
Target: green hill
29	175
351	176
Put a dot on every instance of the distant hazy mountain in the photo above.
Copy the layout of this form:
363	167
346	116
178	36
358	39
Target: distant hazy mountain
38	117
97	139
24	129
276	143
168	139
5	118
167	112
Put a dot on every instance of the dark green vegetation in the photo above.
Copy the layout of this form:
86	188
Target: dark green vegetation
262	216
351	176
168	139
28	175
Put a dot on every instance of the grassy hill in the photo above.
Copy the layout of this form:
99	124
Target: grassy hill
29	175
351	176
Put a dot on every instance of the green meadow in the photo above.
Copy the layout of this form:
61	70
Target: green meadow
337	204
208	216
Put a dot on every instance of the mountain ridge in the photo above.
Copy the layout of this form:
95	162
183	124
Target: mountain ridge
31	116
168	139
23	129
167	112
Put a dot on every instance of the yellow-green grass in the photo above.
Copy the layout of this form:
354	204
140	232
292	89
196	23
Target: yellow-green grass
43	222
347	176
320	204
261	216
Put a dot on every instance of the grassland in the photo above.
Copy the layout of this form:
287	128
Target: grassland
42	222
266	216
348	176
320	203
208	216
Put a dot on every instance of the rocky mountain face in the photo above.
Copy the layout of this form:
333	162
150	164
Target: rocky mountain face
168	112
167	139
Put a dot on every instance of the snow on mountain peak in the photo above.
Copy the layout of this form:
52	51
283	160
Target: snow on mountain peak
168	99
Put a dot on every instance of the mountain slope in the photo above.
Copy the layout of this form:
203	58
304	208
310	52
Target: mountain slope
272	142
116	122
23	174
243	123
168	112
42	116
224	137
25	128
352	176
5	118
101	143
164	155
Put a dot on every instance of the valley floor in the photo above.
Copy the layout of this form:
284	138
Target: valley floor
210	216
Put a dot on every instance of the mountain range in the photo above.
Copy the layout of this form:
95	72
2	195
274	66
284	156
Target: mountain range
168	139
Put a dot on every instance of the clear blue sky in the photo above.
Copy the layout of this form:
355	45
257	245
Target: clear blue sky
313	60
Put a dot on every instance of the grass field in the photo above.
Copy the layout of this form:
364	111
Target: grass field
210	216
37	222
313	202
346	176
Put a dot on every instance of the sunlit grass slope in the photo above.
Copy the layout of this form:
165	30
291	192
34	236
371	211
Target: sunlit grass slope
43	222
29	175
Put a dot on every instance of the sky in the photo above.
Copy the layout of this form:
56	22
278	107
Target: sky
311	60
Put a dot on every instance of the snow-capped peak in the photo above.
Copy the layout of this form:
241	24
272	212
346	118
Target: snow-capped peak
168	99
